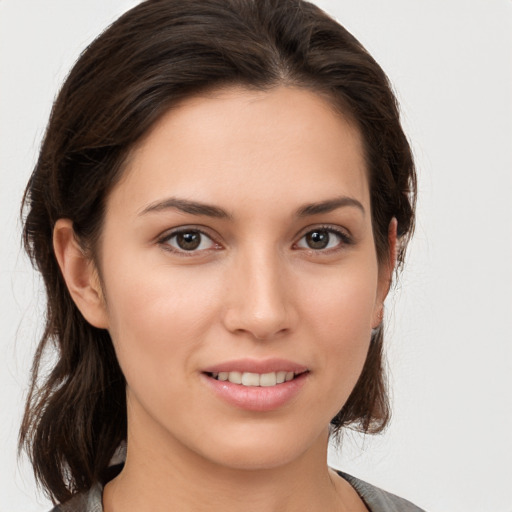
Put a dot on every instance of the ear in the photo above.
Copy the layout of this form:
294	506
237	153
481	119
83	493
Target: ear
386	269
80	274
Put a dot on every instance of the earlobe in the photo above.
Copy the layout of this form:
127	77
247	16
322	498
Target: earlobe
80	274
386	269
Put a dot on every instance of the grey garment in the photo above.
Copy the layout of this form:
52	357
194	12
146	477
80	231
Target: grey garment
90	501
375	499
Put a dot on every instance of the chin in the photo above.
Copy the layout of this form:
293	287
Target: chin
262	449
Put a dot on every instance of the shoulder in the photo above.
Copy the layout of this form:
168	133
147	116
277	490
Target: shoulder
89	501
378	500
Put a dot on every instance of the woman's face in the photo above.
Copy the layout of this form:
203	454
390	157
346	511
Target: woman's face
239	246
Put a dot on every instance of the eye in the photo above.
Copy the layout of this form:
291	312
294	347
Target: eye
321	239
187	240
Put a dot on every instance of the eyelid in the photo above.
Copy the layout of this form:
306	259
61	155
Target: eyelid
343	234
164	238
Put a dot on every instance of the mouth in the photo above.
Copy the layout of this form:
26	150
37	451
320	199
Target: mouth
262	385
251	379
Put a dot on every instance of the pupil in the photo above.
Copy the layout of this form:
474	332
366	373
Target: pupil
318	239
188	241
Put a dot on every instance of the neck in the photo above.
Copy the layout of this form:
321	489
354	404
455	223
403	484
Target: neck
154	479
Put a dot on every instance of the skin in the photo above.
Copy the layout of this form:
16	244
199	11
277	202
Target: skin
254	288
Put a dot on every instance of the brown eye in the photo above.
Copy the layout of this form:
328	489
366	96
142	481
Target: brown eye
323	238
188	241
318	239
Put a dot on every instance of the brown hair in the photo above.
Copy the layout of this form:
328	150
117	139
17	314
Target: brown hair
152	57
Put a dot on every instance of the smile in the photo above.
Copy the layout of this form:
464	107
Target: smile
256	385
255	379
258	392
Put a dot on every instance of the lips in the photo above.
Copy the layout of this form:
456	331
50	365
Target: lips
256	385
259	366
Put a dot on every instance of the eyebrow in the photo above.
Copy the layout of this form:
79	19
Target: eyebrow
329	205
208	210
187	206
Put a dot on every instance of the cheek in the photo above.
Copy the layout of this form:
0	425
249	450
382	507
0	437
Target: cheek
347	332
341	313
157	317
344	299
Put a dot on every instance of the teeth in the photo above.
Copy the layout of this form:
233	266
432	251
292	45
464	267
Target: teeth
268	379
255	379
250	379
235	377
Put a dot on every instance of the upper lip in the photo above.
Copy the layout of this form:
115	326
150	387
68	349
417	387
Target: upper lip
257	366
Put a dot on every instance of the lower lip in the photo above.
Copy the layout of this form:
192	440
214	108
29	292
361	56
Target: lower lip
257	398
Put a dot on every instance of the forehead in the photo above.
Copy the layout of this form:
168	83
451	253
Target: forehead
286	142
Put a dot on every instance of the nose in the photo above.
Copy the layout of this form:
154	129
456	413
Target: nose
259	299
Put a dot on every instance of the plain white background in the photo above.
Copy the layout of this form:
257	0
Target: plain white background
449	447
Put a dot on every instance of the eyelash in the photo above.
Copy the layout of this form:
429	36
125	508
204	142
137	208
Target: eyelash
164	241
344	240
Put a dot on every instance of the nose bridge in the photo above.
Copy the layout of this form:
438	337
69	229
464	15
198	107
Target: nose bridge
259	300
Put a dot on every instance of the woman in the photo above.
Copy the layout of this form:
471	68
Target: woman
222	195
